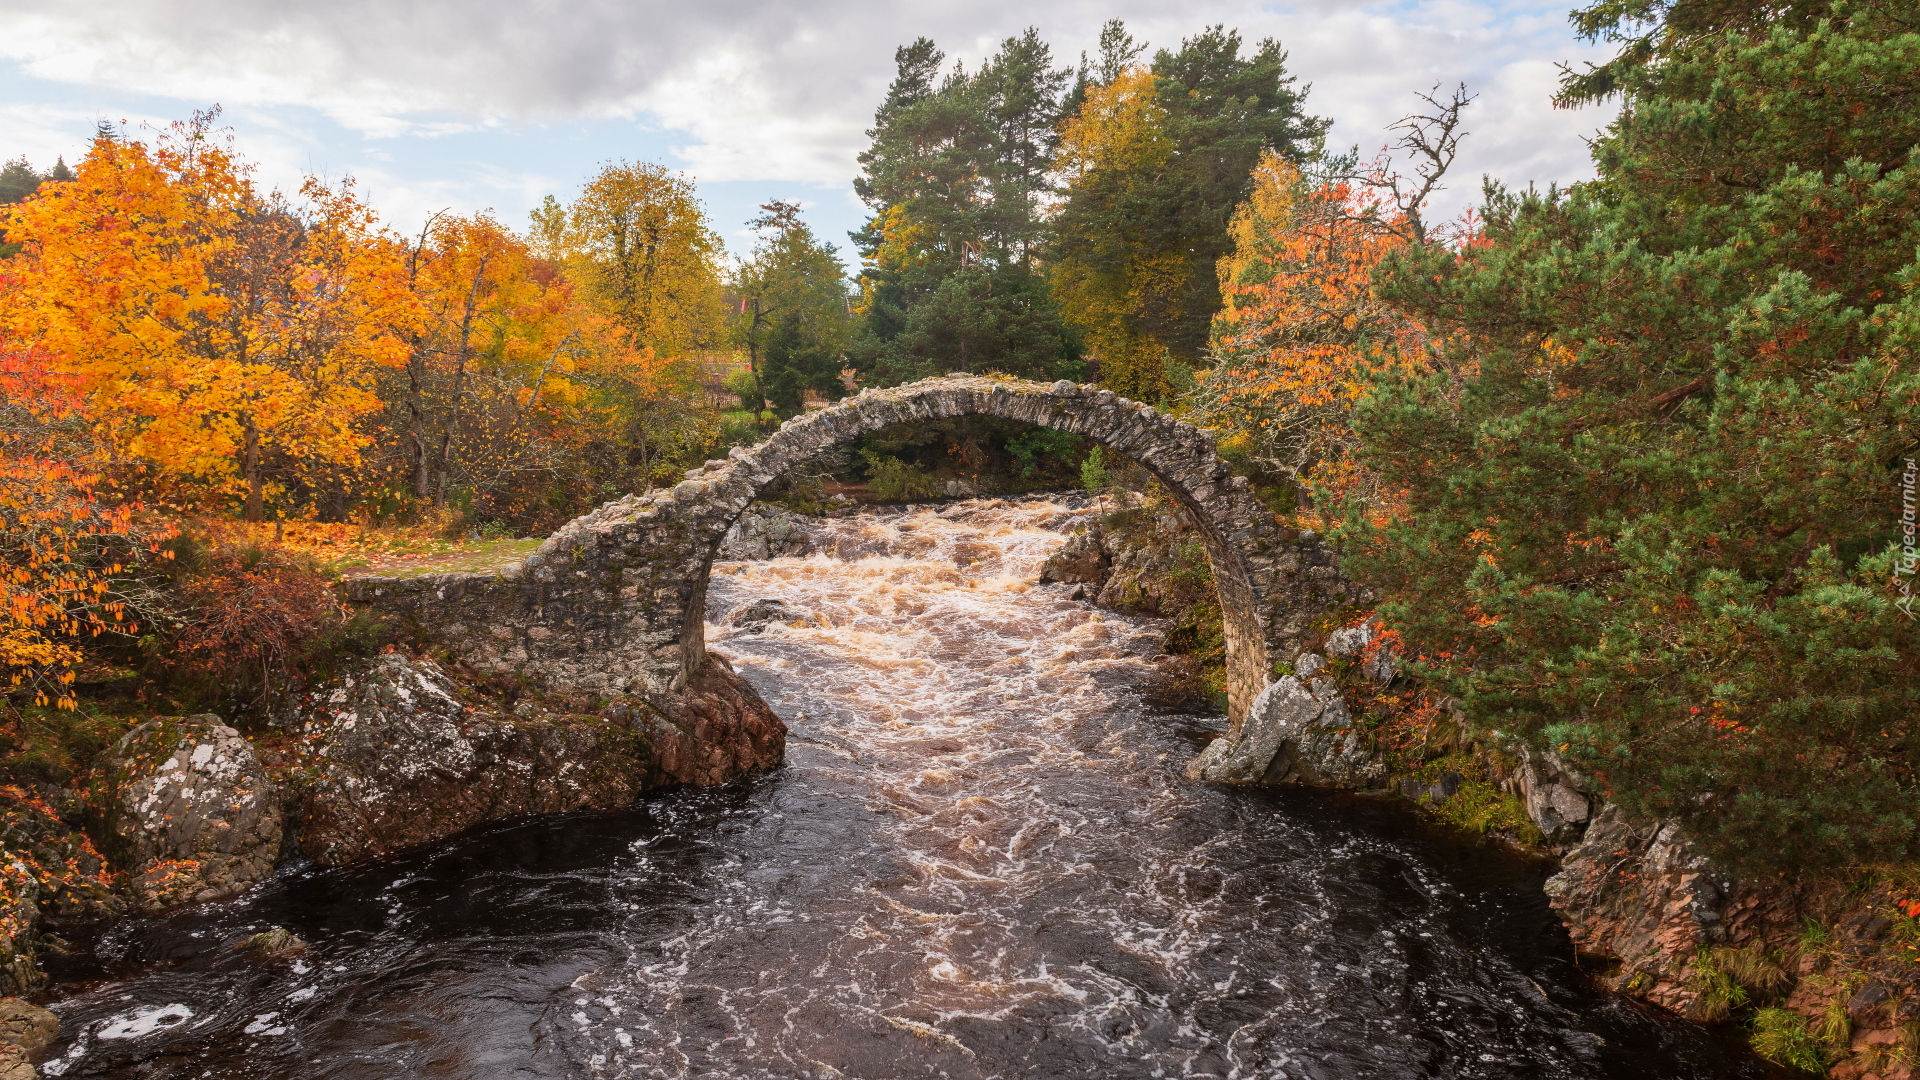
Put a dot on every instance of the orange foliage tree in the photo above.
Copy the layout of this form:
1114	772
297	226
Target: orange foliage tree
1302	335
489	396
61	543
218	333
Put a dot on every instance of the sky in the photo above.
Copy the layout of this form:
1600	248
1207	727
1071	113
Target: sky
470	105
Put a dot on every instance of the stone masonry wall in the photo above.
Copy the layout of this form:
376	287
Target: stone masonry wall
612	603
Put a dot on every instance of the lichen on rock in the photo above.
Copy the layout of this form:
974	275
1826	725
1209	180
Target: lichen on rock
397	753
1298	731
193	812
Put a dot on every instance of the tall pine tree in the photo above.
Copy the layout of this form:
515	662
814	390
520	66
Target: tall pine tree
1156	160
1655	500
957	177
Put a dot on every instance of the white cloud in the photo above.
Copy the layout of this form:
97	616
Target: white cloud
741	90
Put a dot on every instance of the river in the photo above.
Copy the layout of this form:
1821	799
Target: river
980	860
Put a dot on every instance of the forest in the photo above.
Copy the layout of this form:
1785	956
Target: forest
1629	463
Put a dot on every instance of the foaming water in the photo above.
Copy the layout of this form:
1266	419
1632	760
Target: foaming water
979	861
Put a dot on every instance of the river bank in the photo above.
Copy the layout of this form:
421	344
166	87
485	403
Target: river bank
1822	974
981	859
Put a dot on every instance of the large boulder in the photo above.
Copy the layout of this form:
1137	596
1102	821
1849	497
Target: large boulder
52	882
193	814
29	1027
1639	893
1082	560
764	531
1297	731
1559	800
719	730
401	753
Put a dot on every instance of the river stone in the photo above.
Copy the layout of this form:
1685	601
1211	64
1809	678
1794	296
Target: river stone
195	815
28	1027
275	943
402	753
1559	800
756	616
16	1064
1083	559
1297	731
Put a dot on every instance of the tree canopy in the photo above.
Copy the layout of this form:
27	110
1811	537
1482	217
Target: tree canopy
1661	465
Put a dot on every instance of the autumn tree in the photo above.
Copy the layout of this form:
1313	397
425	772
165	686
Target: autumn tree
221	334
1301	335
638	241
793	319
1655	492
17	181
1155	161
488	399
65	546
647	265
957	178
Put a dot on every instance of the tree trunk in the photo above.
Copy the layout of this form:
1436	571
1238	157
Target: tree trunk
250	468
417	430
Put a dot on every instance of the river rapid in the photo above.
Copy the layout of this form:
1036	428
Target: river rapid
980	860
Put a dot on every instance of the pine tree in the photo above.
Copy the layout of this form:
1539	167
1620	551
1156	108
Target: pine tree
1656	494
1157	158
18	180
957	178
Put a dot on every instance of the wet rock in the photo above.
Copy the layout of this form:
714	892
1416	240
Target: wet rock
756	616
1298	731
194	815
275	943
1083	559
400	754
719	730
29	1027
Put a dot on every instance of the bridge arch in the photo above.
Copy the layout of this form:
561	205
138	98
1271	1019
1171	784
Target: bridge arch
614	602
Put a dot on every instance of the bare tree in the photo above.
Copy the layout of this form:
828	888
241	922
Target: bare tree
1431	139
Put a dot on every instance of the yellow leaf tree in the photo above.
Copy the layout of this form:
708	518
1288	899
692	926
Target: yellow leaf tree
638	240
490	399
218	333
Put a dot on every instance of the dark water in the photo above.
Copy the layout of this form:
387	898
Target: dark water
979	861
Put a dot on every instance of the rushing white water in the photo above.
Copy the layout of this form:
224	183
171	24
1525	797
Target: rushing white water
980	861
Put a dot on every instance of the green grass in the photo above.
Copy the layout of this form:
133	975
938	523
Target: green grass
466	558
1785	1037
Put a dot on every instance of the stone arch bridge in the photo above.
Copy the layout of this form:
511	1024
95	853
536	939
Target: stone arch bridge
613	603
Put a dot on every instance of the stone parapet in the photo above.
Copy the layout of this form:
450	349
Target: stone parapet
612	604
